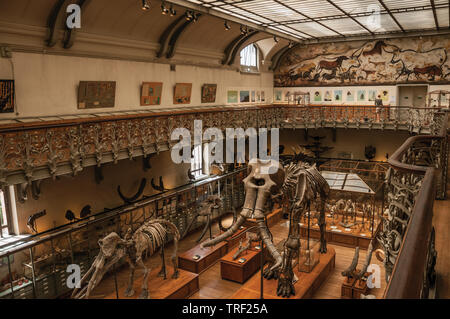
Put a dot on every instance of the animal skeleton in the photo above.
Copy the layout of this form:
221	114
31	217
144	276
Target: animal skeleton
147	238
31	222
297	182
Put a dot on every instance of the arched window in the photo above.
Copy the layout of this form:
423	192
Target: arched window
249	58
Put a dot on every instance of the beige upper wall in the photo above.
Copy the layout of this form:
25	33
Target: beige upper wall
47	84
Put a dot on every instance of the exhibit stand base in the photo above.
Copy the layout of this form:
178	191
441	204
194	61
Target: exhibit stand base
241	269
199	259
159	288
352	288
306	285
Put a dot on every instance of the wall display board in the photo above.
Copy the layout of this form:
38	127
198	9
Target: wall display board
182	93
151	93
232	96
6	96
244	96
96	94
209	93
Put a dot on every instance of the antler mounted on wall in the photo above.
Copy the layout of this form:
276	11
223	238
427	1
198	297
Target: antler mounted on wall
135	196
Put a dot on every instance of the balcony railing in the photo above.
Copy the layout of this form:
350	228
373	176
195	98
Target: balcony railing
38	148
417	175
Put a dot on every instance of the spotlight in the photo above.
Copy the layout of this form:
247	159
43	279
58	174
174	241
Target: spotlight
227	26
291	44
172	11
244	30
145	5
196	16
189	15
275	39
164	10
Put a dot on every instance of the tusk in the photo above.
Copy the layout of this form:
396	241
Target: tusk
231	231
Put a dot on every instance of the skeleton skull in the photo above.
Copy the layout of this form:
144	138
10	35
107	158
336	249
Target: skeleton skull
112	249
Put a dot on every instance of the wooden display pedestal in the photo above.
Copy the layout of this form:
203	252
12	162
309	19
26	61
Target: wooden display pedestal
234	240
181	288
273	218
353	288
208	256
306	285
236	271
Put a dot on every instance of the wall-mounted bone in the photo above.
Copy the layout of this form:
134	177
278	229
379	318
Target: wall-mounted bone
98	174
146	165
159	187
70	216
85	211
31	222
135	196
36	189
190	175
22	192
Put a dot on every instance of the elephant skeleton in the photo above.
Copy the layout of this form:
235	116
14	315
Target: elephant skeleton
147	238
298	183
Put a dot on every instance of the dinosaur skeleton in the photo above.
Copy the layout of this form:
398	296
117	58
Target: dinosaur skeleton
206	208
147	238
297	182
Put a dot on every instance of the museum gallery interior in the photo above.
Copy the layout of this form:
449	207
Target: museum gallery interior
209	149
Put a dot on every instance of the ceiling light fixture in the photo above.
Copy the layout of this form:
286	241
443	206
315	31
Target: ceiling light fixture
244	30
275	39
145	5
164	10
189	15
195	16
227	26
173	12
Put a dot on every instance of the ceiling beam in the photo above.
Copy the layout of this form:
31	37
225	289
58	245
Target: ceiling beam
176	36
391	15
51	22
233	48
68	34
166	36
349	16
231	18
314	20
434	14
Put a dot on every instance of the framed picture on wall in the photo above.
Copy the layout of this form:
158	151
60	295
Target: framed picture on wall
253	97
384	95
361	95
338	95
182	93
244	96
278	96
6	96
327	97
209	93
263	96
372	95
350	96
151	93
232	96
96	94
317	96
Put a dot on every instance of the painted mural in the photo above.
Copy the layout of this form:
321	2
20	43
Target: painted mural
394	61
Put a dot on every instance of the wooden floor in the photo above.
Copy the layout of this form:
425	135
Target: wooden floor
441	222
213	287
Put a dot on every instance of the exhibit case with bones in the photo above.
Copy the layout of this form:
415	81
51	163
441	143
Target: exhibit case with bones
353	213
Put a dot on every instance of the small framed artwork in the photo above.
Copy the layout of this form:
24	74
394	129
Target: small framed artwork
232	96
6	96
96	94
372	95
361	95
182	93
350	96
209	93
384	95
253	97
151	93
338	95
317	96
244	96
327	97
278	96
263	96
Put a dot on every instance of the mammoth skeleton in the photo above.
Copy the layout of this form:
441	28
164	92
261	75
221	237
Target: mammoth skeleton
300	184
147	238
